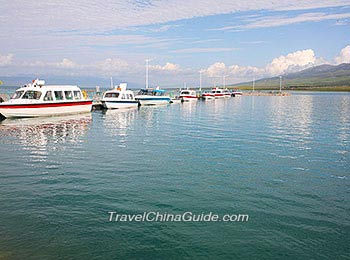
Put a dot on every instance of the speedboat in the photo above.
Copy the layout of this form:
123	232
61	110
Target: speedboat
215	93
218	93
188	95
152	96
37	99
227	93
236	93
208	96
119	97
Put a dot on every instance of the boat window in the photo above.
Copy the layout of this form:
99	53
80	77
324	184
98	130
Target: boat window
145	92
112	95
69	95
59	95
77	94
129	96
48	96
123	96
17	94
32	94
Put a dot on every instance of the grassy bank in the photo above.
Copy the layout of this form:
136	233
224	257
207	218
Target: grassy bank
302	88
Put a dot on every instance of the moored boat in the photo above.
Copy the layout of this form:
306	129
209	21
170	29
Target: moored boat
188	95
208	96
218	93
227	93
37	99
119	97
236	93
152	96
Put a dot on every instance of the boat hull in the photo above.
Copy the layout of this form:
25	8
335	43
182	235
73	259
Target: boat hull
119	104
208	97
147	101
44	109
188	98
219	96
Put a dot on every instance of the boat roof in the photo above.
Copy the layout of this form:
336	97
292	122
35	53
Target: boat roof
152	90
48	87
119	91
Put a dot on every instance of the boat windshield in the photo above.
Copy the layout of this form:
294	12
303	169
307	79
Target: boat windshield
144	92
112	95
32	94
152	92
17	94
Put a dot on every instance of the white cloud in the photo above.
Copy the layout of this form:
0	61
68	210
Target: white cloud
167	67
292	62
6	60
275	21
217	69
111	65
66	64
107	15
344	56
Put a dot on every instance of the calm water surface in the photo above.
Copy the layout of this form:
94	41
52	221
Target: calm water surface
283	160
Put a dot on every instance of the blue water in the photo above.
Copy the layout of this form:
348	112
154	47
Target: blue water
284	161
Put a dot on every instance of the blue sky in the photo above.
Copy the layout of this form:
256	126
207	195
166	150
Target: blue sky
239	39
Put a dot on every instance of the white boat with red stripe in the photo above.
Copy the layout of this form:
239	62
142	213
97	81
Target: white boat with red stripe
37	99
188	95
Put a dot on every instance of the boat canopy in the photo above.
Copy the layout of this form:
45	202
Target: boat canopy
152	90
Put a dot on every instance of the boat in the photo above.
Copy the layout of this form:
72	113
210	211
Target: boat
236	93
37	99
216	93
208	96
188	95
175	100
152	96
227	93
119	97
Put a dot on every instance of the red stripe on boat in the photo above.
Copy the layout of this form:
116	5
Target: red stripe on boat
187	97
42	105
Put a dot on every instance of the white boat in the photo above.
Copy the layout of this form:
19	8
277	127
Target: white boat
175	100
236	93
188	95
208	96
37	99
227	93
218	93
119	97
151	96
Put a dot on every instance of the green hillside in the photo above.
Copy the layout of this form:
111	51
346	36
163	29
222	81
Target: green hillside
324	77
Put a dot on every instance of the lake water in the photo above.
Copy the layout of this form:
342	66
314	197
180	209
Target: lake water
284	161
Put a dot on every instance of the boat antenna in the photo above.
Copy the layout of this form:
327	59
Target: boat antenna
253	84
112	85
224	80
147	62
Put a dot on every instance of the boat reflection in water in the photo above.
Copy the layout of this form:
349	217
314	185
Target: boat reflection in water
47	131
118	122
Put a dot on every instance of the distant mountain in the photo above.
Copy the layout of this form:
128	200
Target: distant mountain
85	82
319	76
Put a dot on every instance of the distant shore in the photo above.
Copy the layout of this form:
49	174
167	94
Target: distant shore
326	89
